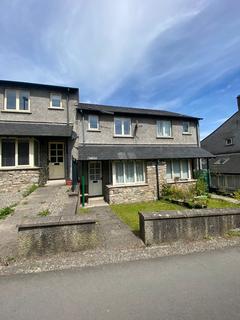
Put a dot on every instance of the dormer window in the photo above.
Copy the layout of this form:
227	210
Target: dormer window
122	127
17	100
229	141
56	101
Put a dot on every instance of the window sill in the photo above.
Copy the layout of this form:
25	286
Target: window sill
181	181
165	137
111	186
187	133
93	130
18	168
118	136
53	108
16	111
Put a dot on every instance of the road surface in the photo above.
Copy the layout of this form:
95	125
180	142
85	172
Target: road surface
198	286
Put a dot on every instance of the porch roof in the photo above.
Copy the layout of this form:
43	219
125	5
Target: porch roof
123	152
35	129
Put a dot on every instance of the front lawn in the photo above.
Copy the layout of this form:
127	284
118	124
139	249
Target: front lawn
128	213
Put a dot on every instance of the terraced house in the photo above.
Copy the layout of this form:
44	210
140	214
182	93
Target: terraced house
122	154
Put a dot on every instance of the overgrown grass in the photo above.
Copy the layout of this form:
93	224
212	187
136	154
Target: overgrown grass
4	212
128	213
44	213
30	190
218	203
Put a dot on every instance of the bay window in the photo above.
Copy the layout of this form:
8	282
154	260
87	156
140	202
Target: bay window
128	172
18	152
164	128
17	100
178	169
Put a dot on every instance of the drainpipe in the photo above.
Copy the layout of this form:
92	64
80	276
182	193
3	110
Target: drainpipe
67	144
157	178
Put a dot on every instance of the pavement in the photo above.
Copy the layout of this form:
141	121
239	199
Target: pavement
225	198
202	286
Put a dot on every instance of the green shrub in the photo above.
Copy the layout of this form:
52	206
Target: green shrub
201	186
237	194
29	190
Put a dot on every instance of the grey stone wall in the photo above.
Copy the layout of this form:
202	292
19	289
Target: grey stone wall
196	224
51	235
18	180
146	132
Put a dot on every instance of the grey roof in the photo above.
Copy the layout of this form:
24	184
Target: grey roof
115	152
20	84
128	110
231	164
35	129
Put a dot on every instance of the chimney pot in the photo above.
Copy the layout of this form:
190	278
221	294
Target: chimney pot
238	102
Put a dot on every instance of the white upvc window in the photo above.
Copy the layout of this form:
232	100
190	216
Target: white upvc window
185	127
55	101
178	170
122	127
164	129
18	153
17	100
128	172
93	122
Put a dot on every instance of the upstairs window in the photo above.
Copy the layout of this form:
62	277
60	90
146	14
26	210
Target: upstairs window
93	122
185	127
229	141
17	100
122	127
56	101
164	128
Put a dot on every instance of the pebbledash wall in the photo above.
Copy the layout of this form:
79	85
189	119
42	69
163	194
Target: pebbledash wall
142	192
19	179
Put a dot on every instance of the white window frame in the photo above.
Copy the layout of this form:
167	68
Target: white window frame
122	125
31	153
181	170
56	95
135	182
158	129
229	144
17	101
186	132
89	122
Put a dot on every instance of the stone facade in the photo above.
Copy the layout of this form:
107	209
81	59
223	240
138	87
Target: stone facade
18	180
143	192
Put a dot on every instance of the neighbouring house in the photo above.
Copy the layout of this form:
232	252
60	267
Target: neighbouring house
36	133
224	143
128	154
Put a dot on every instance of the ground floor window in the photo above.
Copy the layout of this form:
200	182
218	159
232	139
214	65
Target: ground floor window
18	152
128	172
178	170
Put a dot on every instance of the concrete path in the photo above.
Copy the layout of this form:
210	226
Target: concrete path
52	197
198	286
232	200
114	233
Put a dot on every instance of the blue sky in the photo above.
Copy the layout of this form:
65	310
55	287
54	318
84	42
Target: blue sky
178	55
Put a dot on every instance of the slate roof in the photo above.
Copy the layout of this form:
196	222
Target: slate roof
20	84
230	165
35	129
122	152
128	110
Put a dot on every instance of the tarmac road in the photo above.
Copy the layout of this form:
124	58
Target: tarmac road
197	286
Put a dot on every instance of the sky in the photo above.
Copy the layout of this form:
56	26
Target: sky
176	55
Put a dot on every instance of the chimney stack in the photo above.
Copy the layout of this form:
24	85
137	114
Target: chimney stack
238	102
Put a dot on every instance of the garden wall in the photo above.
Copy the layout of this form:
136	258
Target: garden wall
51	235
196	224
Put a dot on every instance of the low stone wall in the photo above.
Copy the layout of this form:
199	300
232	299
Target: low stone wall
167	226
51	235
18	180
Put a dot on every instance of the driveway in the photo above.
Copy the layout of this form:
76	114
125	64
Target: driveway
199	286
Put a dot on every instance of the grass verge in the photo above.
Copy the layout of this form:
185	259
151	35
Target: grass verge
218	203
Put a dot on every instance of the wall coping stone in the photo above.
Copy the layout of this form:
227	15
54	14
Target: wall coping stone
54	221
20	169
188	213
